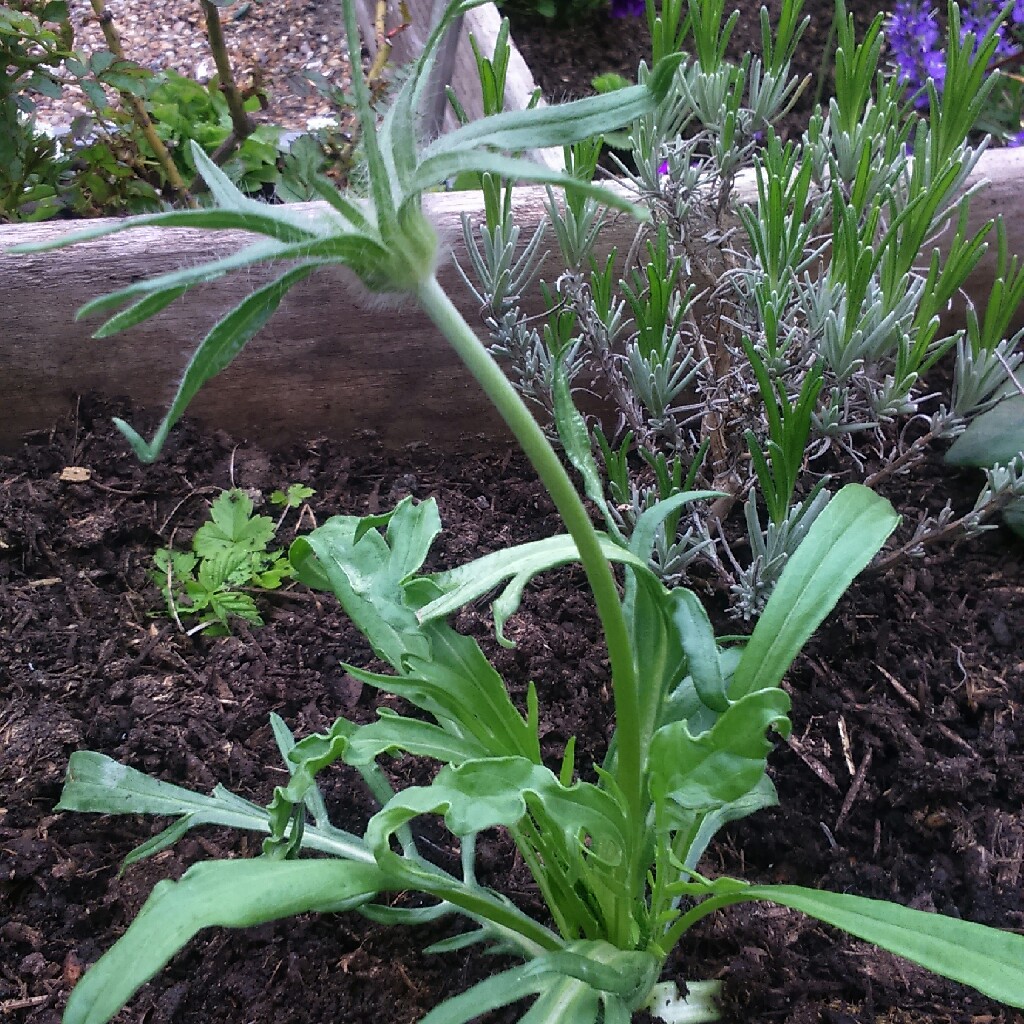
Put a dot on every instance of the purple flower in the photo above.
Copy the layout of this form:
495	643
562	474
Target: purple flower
1014	141
978	17
632	8
913	35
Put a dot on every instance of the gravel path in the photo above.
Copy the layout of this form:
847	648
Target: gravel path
275	39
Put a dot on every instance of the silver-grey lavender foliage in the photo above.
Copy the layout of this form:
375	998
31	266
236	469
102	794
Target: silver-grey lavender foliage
822	273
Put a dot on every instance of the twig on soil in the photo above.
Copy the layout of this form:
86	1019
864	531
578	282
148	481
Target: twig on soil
854	791
899	688
10	1005
812	762
914	703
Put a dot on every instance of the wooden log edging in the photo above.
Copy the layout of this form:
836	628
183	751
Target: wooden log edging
327	363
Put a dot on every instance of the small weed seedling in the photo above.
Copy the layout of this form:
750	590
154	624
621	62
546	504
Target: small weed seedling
229	560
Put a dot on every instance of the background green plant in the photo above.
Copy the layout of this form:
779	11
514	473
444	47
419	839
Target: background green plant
103	164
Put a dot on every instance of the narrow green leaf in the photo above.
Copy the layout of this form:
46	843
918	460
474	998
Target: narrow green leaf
841	541
285	229
641	543
698	641
434	170
216	352
232	894
140	311
572	430
490	994
762	795
990	960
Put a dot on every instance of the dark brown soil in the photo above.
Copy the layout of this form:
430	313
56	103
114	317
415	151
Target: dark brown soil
905	777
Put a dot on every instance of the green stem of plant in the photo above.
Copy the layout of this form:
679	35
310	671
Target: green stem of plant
383	201
242	125
570	507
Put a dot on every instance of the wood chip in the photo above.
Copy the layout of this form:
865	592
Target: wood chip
813	763
911	700
855	788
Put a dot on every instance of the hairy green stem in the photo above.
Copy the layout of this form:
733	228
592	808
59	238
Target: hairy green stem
570	507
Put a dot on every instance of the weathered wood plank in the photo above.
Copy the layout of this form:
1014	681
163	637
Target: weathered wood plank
328	363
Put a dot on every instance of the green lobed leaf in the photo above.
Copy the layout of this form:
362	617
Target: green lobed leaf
484	794
232	894
392	733
98	784
305	758
232	526
365	571
461	690
839	544
516	565
706	772
186	278
467	687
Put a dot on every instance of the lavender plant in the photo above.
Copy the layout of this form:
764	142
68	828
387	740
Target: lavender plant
615	859
745	344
